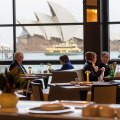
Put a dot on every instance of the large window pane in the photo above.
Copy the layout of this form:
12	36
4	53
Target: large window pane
114	10
37	68
49	42
53	11
115	41
6	43
6	12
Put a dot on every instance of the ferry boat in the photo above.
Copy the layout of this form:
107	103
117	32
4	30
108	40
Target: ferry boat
64	48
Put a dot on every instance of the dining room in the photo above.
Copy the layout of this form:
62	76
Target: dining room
40	86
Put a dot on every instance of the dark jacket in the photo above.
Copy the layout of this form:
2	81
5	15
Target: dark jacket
93	76
20	67
66	66
107	68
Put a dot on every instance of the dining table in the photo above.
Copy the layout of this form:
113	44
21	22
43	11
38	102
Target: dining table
44	76
108	78
66	88
30	110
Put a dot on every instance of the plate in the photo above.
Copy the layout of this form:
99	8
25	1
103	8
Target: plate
63	84
77	104
38	111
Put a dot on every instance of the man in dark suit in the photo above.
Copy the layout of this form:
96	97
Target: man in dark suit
16	68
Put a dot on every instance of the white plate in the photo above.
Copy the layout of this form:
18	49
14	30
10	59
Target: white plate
77	104
38	111
64	84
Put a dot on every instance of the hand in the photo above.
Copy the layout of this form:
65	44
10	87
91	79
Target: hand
102	69
95	68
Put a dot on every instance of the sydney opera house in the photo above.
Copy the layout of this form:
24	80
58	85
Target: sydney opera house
39	37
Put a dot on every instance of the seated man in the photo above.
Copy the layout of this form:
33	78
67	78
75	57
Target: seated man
17	63
17	69
65	62
105	57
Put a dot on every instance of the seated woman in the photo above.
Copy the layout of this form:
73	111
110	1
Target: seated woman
95	73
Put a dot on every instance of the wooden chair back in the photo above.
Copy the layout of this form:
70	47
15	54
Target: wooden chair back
63	76
105	94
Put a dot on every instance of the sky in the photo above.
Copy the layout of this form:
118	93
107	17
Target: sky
26	8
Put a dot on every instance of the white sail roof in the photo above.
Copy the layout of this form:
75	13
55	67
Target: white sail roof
59	15
50	31
64	16
32	30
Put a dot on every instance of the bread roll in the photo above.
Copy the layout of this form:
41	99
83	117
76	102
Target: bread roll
118	112
106	111
90	111
50	107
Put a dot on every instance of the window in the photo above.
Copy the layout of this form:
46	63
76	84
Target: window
44	41
52	41
114	8
6	43
54	11
36	26
115	41
6	16
114	28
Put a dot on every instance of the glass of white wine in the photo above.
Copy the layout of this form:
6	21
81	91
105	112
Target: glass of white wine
41	67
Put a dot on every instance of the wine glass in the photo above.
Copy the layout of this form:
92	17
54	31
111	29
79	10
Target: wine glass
41	67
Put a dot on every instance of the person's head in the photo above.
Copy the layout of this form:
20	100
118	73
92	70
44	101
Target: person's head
105	57
64	59
18	56
91	56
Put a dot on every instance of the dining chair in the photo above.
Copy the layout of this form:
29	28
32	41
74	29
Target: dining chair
37	93
105	94
80	74
58	93
63	76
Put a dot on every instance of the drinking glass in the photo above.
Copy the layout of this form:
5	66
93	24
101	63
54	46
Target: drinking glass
49	67
77	80
41	68
100	79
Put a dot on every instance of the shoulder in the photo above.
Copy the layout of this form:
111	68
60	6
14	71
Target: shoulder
88	64
69	65
13	64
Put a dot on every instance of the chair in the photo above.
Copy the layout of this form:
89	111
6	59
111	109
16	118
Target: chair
80	74
58	93
104	93
63	76
37	93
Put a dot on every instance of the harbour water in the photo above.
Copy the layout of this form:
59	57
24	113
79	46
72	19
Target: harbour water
42	56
